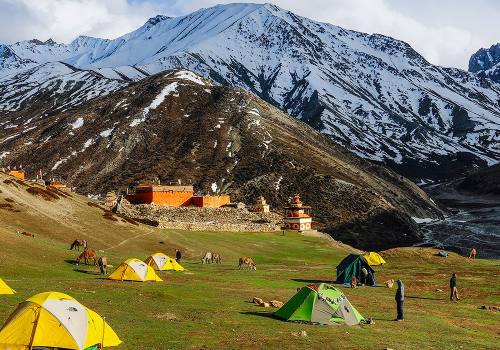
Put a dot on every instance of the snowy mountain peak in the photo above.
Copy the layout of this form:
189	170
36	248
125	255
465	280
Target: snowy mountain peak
157	19
486	63
371	93
50	41
484	59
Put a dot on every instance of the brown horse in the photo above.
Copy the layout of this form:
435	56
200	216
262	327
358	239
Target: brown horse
77	243
86	256
24	233
246	260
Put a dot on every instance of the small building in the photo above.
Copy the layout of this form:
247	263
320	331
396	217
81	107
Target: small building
261	206
56	182
174	196
19	174
210	201
110	201
57	185
297	215
168	195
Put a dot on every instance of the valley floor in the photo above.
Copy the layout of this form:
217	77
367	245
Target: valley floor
209	306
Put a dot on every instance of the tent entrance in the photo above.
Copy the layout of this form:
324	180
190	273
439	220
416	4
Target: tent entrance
322	312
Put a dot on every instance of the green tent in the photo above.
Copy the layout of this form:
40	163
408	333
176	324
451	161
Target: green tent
321	304
351	267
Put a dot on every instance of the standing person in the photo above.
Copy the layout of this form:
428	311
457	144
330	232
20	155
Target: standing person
453	287
178	255
364	275
400	298
353	282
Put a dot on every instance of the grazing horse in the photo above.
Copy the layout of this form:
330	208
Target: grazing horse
473	253
207	258
103	264
77	243
216	258
27	234
86	256
246	260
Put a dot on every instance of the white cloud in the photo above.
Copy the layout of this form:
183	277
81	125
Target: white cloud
439	32
63	20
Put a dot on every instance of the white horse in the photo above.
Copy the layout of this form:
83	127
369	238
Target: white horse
207	258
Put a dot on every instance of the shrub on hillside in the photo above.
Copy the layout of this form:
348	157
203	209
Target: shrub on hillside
21	182
109	215
8	207
10	182
59	192
94	205
42	192
127	219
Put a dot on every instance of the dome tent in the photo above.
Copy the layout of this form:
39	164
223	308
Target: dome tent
134	270
321	304
374	259
55	320
162	262
351	267
5	289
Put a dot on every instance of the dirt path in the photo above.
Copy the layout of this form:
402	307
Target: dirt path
127	240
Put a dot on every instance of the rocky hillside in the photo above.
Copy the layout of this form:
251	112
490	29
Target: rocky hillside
52	87
486	63
176	125
373	94
484	181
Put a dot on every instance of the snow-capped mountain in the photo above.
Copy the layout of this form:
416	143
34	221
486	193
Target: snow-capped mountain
486	63
371	93
52	86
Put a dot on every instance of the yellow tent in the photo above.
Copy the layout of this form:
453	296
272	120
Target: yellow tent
162	262
374	259
5	289
55	320
134	270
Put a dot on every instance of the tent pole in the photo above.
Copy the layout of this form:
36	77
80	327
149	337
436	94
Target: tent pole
30	345
103	328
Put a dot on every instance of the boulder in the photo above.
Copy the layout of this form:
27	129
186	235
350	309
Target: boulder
276	303
258	301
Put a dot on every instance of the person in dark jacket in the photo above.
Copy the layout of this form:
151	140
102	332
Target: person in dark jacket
400	297
453	287
178	255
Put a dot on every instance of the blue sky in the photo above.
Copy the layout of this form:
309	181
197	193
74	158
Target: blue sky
446	32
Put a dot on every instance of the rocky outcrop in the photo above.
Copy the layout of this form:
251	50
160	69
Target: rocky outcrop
486	63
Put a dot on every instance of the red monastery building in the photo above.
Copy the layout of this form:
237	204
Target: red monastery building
174	196
298	216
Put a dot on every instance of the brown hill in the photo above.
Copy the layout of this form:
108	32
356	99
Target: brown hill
177	126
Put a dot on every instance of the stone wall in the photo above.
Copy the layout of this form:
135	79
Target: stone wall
202	219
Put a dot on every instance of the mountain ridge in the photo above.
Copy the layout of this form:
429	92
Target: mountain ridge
373	94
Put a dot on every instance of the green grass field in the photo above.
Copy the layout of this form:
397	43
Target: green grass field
209	307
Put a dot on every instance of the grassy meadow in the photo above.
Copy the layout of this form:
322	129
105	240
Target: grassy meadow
209	306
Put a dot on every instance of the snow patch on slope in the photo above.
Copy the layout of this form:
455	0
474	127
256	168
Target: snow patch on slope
167	90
